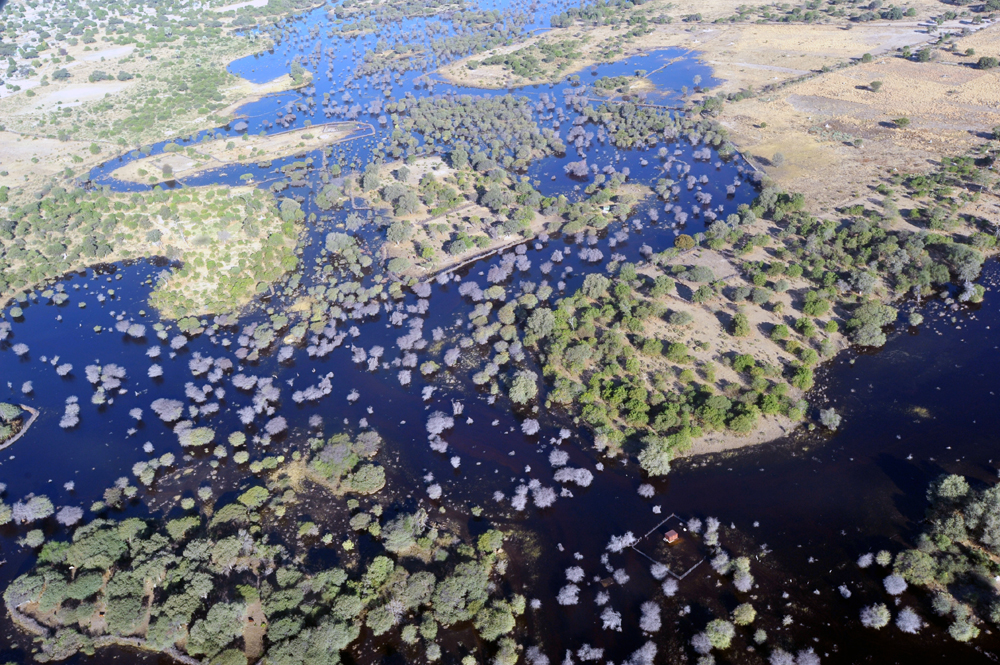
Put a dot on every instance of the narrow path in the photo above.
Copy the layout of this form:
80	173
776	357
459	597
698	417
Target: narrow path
34	416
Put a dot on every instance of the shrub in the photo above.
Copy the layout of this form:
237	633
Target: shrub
830	418
987	62
680	318
699	274
744	614
875	616
962	630
703	294
523	387
741	325
254	497
720	633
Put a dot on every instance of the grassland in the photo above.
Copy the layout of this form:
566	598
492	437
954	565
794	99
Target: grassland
746	45
250	148
837	138
108	83
230	243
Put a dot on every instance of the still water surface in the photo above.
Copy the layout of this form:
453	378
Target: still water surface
808	506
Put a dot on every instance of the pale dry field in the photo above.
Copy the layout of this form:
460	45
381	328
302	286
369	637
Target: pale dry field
742	54
26	139
25	160
253	148
951	105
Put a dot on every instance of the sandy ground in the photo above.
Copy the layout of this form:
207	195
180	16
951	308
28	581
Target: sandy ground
769	428
51	158
84	62
240	5
254	629
741	54
104	54
255	148
249	92
812	124
49	98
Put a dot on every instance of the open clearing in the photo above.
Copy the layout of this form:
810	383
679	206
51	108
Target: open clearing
27	159
742	53
815	125
220	152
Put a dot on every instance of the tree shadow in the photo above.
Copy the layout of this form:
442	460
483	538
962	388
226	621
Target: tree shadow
684	292
912	479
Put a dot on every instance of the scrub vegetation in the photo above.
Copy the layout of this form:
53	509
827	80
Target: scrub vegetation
605	267
11	419
227	582
954	562
231	243
98	79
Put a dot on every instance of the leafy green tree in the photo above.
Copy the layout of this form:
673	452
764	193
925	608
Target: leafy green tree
523	387
9	412
655	455
459	596
291	211
399	231
494	620
915	567
595	285
948	489
370	179
720	633
541	322
741	325
490	542
217	630
401	533
744	614
254	497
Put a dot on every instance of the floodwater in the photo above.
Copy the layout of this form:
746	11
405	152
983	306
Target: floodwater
803	509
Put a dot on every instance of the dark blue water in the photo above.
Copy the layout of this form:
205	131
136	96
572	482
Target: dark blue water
830	498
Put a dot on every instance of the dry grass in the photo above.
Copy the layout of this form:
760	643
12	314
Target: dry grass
742	54
746	56
951	106
251	148
62	104
27	159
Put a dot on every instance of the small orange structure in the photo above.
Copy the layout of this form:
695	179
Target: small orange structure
671	536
